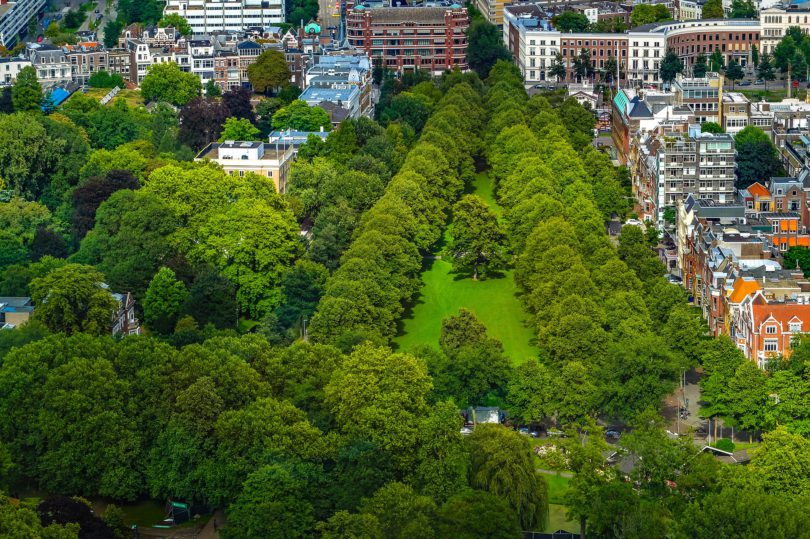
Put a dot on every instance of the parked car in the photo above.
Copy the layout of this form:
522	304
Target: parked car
613	434
40	39
759	81
674	279
744	83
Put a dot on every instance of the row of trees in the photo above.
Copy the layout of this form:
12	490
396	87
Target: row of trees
380	269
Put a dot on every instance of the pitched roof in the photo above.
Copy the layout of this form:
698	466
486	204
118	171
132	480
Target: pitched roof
783	313
743	287
758	190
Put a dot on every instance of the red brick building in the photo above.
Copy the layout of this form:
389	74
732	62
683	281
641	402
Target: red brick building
428	38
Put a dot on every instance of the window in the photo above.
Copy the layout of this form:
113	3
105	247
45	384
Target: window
771	345
770	330
795	327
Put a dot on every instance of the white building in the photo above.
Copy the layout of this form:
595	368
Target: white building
271	160
227	15
52	64
10	68
775	21
14	17
690	10
647	49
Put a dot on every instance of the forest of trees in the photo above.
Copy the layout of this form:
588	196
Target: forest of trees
222	402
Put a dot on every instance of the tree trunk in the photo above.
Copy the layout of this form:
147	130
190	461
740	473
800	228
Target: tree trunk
581	527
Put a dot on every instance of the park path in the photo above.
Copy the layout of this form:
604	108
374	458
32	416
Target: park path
211	529
569	475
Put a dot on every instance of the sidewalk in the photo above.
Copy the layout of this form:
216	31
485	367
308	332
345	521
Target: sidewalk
211	530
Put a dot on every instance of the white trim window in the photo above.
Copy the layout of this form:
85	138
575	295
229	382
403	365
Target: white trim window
771	345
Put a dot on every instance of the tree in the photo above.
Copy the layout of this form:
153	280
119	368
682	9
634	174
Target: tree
671	65
582	64
88	196
238	129
302	286
477	245
713	9
274	504
529	393
252	244
743	9
734	72
102	79
163	302
211	89
343	524
298	115
413	109
754	53
201	121
757	158
401	512
269	72
473	364
501	462
798	257
112	30
485	47
711	127
765	69
177	22
649	13
477	514
745	513
212	300
570	21
716	61
167	82
558	68
72	299
377	396
64	511
238	103
26	93
700	66
264	114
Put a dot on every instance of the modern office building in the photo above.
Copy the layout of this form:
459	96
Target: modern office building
227	15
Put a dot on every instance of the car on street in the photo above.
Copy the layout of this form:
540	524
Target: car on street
674	279
744	83
40	39
759	81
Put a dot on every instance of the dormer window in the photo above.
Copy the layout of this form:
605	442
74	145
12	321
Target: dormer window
770	330
795	327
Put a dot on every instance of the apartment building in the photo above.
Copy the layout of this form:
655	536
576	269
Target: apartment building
408	38
14	17
227	15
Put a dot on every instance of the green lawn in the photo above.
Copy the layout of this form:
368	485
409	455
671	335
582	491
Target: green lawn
494	301
557	487
557	520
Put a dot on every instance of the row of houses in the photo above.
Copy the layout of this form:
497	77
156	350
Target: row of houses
529	32
730	259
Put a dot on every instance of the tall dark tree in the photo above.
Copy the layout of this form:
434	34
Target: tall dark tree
201	122
558	68
671	65
743	9
26	93
734	72
757	158
89	195
485	47
700	66
570	21
765	69
238	103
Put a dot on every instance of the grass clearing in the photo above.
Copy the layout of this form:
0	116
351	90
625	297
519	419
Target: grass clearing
132	97
557	487
493	300
557	520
